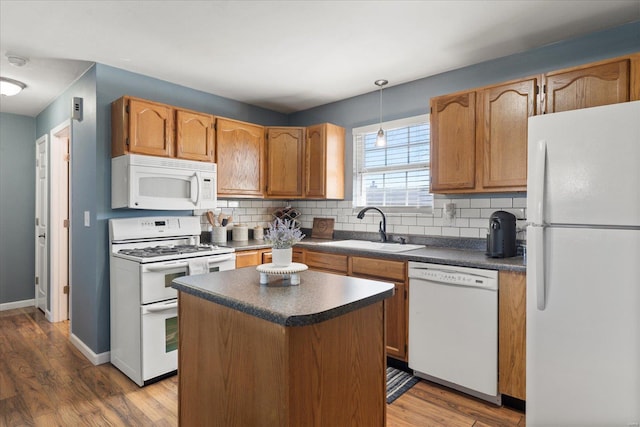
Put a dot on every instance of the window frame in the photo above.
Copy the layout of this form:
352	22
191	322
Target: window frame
358	158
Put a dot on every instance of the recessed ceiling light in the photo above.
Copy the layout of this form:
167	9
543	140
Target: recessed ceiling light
10	87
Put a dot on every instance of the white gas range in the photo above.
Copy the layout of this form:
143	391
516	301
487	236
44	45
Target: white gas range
146	254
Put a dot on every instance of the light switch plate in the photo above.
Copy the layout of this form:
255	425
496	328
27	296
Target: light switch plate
87	219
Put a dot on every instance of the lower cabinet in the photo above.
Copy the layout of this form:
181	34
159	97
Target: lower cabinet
377	269
512	334
252	257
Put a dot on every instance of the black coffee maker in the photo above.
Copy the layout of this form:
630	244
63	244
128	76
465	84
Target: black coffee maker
501	240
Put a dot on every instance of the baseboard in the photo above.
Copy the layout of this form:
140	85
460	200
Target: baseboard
96	359
17	304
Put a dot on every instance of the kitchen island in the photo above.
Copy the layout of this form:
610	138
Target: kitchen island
273	355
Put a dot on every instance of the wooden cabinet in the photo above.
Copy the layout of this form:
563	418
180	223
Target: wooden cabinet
240	158
512	334
251	257
285	162
141	127
195	136
592	85
144	127
324	162
479	138
503	116
332	263
453	142
396	307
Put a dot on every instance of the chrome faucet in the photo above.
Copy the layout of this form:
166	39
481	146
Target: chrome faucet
383	224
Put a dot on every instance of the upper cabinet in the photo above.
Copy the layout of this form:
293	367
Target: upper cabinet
240	156
592	85
453	142
503	116
141	127
285	162
305	162
324	162
479	136
195	136
145	127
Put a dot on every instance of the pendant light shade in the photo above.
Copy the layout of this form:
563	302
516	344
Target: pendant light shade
10	87
381	139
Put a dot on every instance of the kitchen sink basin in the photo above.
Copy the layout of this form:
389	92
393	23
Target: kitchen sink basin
372	246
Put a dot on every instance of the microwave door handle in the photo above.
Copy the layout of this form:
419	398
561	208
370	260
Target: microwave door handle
195	183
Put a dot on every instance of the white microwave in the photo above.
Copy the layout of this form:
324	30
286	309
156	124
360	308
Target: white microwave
150	182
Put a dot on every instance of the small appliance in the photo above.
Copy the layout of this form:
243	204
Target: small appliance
151	182
501	240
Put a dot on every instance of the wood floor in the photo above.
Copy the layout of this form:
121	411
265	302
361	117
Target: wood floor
46	381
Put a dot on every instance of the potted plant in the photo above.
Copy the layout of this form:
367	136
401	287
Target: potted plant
282	235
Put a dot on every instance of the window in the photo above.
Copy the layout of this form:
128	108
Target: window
395	176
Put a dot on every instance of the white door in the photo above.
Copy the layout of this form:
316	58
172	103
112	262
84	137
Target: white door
583	348
583	166
41	221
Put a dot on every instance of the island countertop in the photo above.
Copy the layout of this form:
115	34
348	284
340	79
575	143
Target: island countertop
319	296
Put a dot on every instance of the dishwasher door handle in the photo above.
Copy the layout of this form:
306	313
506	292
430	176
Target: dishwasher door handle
484	286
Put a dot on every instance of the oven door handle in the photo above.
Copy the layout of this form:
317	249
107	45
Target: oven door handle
157	308
165	267
217	259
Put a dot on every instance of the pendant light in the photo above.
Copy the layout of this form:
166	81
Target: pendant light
381	139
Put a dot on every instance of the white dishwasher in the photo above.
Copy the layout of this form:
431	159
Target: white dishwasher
453	327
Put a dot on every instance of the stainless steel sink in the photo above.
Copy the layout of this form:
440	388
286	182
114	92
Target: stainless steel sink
372	246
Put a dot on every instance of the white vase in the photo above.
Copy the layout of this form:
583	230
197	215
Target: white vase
281	257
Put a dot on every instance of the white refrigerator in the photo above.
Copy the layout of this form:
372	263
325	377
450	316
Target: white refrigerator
583	268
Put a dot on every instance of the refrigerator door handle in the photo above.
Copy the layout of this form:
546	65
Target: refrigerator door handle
536	188
537	264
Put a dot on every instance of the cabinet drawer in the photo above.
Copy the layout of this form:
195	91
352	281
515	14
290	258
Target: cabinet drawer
326	261
385	269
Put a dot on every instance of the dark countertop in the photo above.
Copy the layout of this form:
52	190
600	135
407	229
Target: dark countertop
319	296
433	254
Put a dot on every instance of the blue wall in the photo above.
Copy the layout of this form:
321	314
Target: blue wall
412	99
17	207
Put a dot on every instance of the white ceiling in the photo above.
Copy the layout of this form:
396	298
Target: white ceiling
282	55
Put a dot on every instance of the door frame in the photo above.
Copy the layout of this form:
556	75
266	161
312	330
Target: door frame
41	216
60	242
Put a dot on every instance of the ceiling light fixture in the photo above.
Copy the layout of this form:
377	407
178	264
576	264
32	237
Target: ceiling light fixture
17	61
10	87
381	139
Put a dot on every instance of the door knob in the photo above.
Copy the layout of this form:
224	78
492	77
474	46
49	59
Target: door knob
42	235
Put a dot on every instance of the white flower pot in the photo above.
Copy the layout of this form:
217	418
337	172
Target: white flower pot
281	257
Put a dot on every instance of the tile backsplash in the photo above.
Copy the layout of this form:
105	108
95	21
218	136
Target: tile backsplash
471	218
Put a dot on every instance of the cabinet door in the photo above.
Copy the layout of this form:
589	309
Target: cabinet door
240	158
150	128
248	258
194	136
324	163
512	330
588	86
285	162
503	113
396	322
396	319
453	142
332	263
